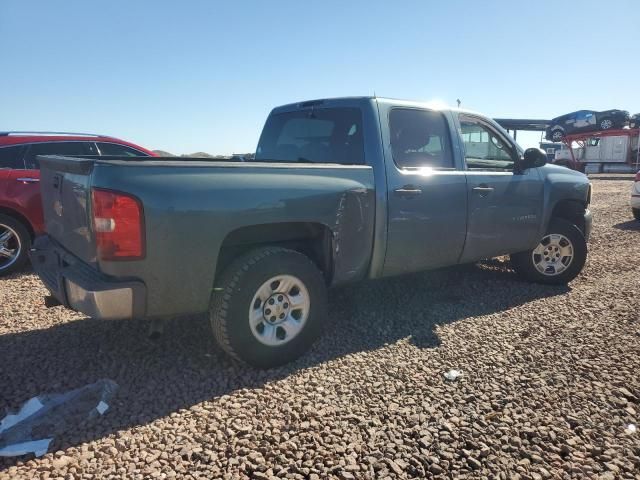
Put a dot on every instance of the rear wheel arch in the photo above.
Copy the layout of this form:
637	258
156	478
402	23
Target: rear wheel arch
313	239
18	217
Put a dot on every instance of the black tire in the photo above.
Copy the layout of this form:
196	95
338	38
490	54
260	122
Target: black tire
606	123
636	213
234	296
524	264
557	135
20	238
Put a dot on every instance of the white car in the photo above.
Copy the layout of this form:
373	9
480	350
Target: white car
635	197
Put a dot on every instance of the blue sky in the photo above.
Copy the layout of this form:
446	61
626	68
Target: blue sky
198	75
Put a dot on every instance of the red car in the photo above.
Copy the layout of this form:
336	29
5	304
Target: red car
20	208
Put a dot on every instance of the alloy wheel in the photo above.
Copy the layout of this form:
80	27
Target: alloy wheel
606	124
10	246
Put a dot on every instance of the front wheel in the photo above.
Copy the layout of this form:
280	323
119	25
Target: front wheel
15	242
557	259
636	213
269	307
606	123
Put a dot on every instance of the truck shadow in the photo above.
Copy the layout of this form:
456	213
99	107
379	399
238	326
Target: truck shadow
185	367
631	225
22	272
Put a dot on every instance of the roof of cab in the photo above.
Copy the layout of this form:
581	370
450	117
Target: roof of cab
357	101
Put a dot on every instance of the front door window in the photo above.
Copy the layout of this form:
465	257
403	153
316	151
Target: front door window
484	148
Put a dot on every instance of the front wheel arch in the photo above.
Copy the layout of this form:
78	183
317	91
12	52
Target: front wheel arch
525	263
572	211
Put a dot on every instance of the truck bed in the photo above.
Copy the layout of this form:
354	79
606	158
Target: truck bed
200	207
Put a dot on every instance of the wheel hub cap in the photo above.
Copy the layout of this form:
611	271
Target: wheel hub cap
279	310
276	308
553	255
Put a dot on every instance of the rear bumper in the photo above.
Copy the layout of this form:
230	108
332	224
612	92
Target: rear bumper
80	287
588	224
635	195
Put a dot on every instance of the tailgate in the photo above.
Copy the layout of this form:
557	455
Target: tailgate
66	201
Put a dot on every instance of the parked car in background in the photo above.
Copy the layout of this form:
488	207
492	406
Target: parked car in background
635	197
585	121
20	205
340	190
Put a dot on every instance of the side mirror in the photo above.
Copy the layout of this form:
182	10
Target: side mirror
533	157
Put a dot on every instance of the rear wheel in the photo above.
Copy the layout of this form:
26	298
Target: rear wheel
271	307
557	259
636	213
15	242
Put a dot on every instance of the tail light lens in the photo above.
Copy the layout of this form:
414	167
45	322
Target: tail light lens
118	224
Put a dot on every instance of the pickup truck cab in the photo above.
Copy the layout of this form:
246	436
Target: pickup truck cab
340	190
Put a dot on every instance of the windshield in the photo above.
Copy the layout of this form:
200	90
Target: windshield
325	135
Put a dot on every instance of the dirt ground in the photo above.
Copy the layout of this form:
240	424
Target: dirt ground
550	384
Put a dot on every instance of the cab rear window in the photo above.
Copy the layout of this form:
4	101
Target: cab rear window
325	135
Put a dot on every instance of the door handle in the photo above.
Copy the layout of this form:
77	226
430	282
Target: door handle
483	189
28	180
407	191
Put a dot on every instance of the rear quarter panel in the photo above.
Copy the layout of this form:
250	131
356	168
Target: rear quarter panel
190	209
23	197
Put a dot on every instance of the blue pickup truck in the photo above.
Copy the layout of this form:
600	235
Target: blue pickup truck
340	190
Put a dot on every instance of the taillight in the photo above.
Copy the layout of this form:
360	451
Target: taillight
118	224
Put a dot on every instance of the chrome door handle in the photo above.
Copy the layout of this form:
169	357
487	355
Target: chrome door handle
483	189
407	191
28	180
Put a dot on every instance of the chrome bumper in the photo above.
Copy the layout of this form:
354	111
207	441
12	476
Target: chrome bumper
80	287
588	224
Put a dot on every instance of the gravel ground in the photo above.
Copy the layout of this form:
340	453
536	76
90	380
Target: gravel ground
550	380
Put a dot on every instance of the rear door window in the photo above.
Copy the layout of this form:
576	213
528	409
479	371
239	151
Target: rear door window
119	150
58	148
12	157
420	138
323	135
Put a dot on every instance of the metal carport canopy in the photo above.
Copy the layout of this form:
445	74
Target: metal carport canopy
523	124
